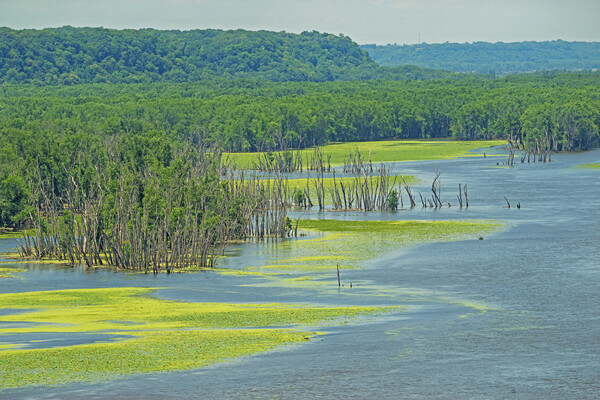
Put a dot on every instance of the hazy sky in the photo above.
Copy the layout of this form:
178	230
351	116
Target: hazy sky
365	21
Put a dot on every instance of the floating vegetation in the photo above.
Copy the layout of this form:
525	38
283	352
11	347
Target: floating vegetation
150	352
350	245
166	335
361	240
6	272
589	166
301	267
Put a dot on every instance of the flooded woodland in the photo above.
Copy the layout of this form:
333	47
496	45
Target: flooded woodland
478	278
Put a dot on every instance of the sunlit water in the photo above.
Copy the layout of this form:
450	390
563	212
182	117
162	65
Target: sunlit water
516	315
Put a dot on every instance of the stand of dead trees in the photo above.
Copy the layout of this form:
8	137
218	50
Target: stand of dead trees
540	150
150	218
435	201
292	161
362	188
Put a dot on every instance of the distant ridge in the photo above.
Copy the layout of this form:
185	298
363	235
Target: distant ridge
491	58
71	55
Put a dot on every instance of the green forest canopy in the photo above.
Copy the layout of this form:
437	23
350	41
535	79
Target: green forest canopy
70	56
258	115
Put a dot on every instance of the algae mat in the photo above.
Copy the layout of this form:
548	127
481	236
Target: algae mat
163	335
589	166
350	244
6	272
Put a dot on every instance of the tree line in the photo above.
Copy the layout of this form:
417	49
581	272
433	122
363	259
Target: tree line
262	116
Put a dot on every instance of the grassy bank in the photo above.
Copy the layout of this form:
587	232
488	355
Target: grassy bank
14	234
385	151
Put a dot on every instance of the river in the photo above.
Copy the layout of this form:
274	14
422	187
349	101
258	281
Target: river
516	315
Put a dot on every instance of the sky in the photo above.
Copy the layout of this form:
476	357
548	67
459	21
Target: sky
365	21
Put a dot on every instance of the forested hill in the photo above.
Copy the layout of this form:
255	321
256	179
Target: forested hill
491	58
84	55
70	55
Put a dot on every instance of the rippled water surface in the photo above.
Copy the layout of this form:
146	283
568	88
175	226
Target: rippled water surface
516	315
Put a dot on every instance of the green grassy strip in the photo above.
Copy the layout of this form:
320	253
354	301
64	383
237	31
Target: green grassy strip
403	229
385	151
328	183
15	234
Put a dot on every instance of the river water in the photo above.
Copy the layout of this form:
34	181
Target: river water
516	315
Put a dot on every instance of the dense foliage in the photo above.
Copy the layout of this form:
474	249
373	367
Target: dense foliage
73	55
251	115
491	58
96	55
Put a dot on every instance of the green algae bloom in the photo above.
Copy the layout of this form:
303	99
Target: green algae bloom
589	166
356	241
350	245
149	352
162	335
6	272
